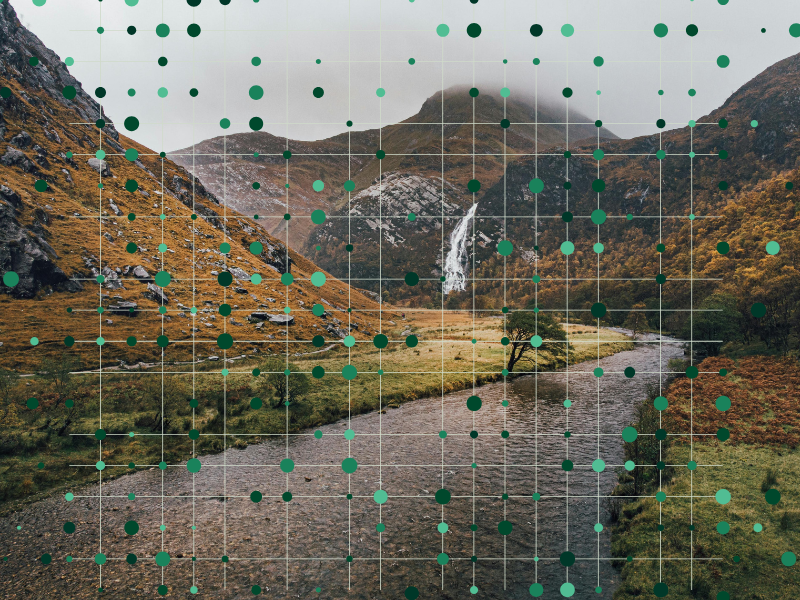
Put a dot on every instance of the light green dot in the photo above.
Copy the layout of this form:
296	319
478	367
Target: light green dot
505	92
100	465
162	247
630	465
162	92
598	527
349	341
318	185
255	279
443	30
380	497
598	247
100	154
598	465
442	527
723	496
101	341
69	497
753	123
567	248
567	590
473	589
773	248
34	341
318	279
692	123
380	92
567	30
193	589
758	528
349	434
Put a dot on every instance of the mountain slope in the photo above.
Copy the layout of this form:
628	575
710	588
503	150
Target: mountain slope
646	200
230	165
74	238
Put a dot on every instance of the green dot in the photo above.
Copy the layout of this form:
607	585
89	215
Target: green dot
318	279
256	92
788	559
661	496
349	465
162	30
162	559
723	527
10	278
287	465
318	216
224	123
629	434
536	589
794	29
193	465
100	558
598	372
504	248
661	30
723	61
691	465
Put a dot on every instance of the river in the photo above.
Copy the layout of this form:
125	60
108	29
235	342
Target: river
401	452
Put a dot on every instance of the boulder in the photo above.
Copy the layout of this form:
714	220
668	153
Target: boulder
22	140
140	272
156	294
100	166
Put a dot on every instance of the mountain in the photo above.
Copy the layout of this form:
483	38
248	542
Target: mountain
230	165
89	217
753	138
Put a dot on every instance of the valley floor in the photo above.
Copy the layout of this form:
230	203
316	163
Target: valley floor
34	460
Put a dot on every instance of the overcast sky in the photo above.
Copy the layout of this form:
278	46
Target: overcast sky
364	45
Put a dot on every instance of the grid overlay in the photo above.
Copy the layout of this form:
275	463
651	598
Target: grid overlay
380	496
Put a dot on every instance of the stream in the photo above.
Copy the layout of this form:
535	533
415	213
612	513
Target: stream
303	543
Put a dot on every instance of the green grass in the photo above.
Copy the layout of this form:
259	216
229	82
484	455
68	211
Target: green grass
129	403
757	573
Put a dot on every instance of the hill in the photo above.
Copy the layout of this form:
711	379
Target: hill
689	186
439	138
90	218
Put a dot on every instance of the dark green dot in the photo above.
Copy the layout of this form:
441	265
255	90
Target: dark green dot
193	92
630	372
567	465
193	30
567	559
100	92
380	154
162	61
536	30
318	92
69	527
131	30
505	123
758	310
474	92
474	185
473	30
566	217
474	403
318	372
411	278
566	92
504	527
287	496
723	247
691	30
772	496
442	496
723	123
318	341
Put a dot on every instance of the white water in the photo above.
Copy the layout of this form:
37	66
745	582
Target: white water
455	265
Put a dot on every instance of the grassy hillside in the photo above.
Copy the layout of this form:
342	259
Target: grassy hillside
90	217
740	544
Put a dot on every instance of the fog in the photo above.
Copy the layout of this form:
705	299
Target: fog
364	45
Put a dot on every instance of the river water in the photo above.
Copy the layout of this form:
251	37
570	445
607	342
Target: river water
401	452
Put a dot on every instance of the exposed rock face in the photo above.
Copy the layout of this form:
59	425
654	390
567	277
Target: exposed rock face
154	293
28	254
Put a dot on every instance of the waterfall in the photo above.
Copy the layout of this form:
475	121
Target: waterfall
455	265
